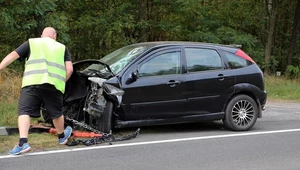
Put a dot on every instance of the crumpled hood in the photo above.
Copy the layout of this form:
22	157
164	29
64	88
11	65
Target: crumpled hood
76	87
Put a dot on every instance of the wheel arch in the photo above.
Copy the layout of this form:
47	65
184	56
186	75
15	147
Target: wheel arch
245	89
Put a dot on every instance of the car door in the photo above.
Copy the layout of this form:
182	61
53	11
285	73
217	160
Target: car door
158	90
208	82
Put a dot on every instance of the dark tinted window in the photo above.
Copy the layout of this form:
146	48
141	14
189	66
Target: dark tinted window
202	59
163	64
235	61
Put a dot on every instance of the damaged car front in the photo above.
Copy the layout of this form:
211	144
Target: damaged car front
94	93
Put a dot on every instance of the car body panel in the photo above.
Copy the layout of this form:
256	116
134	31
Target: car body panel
206	92
154	96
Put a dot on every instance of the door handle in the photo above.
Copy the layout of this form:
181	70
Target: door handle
221	77
172	83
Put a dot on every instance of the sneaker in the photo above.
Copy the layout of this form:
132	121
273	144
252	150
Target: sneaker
20	149
68	132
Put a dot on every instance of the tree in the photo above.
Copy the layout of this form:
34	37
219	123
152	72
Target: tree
92	29
25	19
272	8
294	33
143	17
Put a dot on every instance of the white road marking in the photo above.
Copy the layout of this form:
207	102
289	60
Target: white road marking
152	142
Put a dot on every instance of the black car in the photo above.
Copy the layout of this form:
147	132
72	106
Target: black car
155	83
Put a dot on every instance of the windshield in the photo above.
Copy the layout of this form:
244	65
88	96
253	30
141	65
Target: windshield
118	59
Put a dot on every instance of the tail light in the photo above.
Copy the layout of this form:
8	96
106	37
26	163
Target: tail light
242	54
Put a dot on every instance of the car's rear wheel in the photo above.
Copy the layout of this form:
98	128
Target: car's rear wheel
241	113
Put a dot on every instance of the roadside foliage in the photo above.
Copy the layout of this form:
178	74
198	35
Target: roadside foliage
266	29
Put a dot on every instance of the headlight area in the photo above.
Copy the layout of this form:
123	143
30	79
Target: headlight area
95	102
114	92
99	94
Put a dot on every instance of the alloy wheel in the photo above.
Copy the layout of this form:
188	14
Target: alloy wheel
243	113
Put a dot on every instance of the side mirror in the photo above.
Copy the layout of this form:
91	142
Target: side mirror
134	76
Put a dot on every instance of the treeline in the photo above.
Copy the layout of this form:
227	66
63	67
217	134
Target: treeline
266	29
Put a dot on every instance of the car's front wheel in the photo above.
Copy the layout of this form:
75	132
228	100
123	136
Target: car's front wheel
104	122
241	113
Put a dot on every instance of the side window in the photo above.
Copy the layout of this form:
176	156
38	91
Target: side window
236	61
163	64
202	59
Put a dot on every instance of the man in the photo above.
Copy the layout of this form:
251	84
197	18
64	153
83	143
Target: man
47	69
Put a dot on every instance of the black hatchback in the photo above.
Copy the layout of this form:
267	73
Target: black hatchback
155	83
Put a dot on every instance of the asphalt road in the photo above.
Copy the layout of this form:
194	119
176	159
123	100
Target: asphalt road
273	143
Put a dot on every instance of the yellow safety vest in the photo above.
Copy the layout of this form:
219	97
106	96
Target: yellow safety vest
46	63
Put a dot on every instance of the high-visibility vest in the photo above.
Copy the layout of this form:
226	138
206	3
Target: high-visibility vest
46	63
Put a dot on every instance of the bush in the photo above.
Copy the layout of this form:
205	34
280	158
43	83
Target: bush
293	72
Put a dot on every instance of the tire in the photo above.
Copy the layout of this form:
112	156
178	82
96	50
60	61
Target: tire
241	113
105	120
46	117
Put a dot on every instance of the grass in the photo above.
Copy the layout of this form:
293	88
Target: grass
10	85
278	89
282	89
8	114
9	91
38	142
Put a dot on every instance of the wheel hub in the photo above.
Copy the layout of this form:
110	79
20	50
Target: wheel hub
242	113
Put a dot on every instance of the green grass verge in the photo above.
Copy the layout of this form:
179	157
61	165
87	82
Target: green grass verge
38	142
282	89
8	114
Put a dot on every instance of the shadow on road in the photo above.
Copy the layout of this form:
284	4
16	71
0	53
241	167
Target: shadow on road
175	128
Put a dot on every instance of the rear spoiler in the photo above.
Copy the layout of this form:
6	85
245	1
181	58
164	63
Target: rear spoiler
234	45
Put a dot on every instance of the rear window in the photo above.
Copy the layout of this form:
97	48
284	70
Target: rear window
202	59
235	61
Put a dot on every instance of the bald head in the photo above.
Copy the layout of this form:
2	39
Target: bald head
49	32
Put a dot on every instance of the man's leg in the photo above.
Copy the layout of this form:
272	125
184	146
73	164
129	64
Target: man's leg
59	124
63	135
53	101
22	146
24	125
29	105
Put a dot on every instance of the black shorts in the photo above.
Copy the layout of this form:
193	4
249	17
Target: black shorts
32	98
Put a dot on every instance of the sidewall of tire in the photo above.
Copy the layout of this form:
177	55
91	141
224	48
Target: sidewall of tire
228	121
106	119
46	117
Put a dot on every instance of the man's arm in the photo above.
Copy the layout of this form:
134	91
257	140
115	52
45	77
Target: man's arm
69	68
20	53
68	64
9	59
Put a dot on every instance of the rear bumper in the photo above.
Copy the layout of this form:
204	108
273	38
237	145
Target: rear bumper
263	108
261	100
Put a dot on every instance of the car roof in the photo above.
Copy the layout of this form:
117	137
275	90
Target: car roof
231	47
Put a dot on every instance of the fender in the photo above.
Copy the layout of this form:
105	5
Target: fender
251	90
